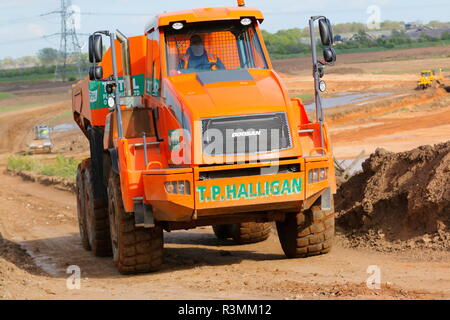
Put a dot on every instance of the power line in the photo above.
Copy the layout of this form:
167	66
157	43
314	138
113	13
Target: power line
115	14
18	20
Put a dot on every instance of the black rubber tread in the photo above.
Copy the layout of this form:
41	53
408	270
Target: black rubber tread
307	233
223	231
81	212
97	219
251	232
136	250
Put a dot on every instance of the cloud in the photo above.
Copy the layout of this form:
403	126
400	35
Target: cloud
20	3
35	30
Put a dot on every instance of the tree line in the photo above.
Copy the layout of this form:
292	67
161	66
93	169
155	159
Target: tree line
292	41
44	58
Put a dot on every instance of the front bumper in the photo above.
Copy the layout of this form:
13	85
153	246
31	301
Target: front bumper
221	190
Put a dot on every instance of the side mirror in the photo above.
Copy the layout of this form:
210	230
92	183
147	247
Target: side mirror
329	55
326	32
95	48
95	73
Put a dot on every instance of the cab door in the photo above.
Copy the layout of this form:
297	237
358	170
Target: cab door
152	96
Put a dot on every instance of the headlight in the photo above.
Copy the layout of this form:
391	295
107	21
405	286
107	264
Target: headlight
178	187
246	21
317	175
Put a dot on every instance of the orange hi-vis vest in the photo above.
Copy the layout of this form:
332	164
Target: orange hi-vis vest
211	58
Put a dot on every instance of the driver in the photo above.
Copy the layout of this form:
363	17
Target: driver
198	58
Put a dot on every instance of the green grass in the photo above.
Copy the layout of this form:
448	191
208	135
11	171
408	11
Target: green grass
6	95
399	111
418	71
32	78
399	72
14	108
60	167
306	96
400	59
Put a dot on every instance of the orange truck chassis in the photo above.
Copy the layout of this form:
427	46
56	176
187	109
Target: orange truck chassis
190	126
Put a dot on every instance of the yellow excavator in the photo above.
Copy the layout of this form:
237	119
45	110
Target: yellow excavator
428	79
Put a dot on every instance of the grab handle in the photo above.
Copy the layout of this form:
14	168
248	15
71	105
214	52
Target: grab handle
150	164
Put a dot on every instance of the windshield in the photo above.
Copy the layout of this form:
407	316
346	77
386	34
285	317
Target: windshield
211	46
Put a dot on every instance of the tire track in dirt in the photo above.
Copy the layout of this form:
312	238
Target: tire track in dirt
197	265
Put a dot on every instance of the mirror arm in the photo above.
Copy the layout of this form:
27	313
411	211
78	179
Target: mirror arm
315	61
112	38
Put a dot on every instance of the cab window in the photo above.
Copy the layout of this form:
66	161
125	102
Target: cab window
211	46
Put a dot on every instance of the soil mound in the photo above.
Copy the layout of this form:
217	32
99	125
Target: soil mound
16	268
399	200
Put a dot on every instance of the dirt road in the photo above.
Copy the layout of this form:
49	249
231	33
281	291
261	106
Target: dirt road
43	222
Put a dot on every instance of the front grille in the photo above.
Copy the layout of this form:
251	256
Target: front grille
249	172
243	135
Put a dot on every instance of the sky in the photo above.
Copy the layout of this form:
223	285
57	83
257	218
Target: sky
24	29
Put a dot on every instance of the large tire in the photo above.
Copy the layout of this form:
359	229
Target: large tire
251	232
135	250
307	233
97	221
223	231
81	211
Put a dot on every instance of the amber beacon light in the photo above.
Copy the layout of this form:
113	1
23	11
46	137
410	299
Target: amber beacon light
241	3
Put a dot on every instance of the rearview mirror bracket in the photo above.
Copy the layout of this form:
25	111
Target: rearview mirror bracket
329	54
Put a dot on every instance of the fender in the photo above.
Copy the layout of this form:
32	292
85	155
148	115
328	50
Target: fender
95	135
114	160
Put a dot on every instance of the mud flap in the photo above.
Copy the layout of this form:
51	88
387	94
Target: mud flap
143	214
326	202
95	135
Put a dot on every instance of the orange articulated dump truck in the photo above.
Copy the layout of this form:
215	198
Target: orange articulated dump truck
190	126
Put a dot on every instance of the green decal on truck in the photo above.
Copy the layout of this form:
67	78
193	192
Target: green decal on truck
248	191
99	97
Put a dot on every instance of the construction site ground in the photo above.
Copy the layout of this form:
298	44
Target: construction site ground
39	231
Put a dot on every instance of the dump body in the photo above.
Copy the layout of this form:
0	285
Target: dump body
164	159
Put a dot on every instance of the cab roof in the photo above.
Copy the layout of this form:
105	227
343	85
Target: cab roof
203	15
